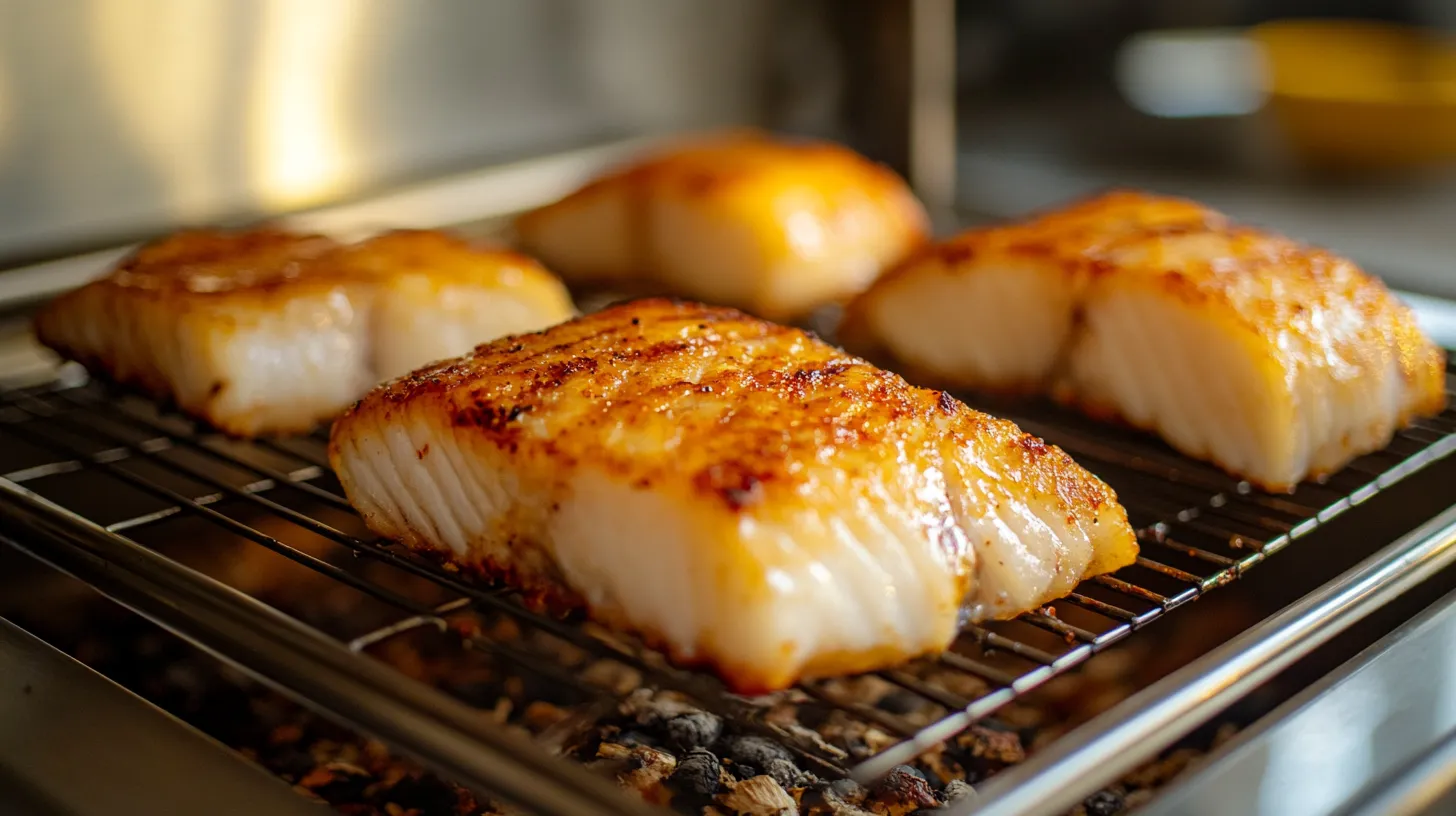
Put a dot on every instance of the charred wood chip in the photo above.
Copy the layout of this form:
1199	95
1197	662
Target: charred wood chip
992	744
789	775
1104	803
647	773
829	800
755	750
759	796
696	730
634	738
741	771
902	791
849	790
901	702
957	790
697	774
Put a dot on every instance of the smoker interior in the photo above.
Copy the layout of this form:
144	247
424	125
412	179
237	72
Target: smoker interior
267	519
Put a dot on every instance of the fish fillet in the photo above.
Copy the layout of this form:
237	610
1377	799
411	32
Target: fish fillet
773	227
263	331
1274	360
738	492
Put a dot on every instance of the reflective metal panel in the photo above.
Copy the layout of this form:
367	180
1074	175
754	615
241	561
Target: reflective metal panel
1387	715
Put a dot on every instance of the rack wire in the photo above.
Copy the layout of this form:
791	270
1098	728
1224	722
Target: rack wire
80	444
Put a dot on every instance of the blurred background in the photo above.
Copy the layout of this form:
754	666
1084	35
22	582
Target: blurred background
1333	120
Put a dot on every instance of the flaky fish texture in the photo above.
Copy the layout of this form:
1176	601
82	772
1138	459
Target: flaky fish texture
265	331
777	228
1274	360
741	494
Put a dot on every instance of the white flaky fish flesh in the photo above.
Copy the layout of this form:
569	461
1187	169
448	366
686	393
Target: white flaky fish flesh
738	493
265	331
1274	360
775	227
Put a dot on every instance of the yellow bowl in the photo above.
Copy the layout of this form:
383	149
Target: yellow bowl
1359	95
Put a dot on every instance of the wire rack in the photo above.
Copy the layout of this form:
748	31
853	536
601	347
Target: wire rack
121	462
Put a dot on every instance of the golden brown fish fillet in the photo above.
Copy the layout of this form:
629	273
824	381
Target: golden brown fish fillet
740	493
1274	360
777	228
265	331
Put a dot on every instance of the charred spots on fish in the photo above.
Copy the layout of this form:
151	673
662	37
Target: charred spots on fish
1034	446
1033	249
486	416
422	452
802	379
947	403
216	389
955	254
701	184
737	487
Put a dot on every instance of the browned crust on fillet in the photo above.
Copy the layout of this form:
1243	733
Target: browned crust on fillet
751	179
751	416
805	401
1298	301
214	279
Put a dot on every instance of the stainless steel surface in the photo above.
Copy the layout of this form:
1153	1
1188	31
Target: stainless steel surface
1427	787
488	193
1376	736
84	746
1120	740
119	119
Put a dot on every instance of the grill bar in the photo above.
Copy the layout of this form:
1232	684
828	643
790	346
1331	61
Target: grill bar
1116	742
302	662
1205	528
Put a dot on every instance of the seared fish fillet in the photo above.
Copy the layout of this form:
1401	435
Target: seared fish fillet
266	331
1274	360
740	493
774	227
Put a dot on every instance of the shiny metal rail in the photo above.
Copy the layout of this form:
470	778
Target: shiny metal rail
53	710
446	735
1118	741
1373	737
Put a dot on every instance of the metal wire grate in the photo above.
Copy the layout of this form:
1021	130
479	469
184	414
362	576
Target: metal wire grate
1200	529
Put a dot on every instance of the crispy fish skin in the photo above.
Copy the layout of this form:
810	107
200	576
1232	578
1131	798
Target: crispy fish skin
777	228
739	493
267	331
1274	360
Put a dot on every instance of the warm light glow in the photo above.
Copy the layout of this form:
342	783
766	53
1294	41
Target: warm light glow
296	146
160	65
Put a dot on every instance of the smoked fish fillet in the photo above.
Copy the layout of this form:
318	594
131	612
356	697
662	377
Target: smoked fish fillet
266	331
774	227
1274	360
739	493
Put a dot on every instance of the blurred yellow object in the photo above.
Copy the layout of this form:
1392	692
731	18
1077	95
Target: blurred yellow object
1361	95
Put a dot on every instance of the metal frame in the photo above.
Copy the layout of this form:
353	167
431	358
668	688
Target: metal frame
1117	742
1386	718
54	710
1190	515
